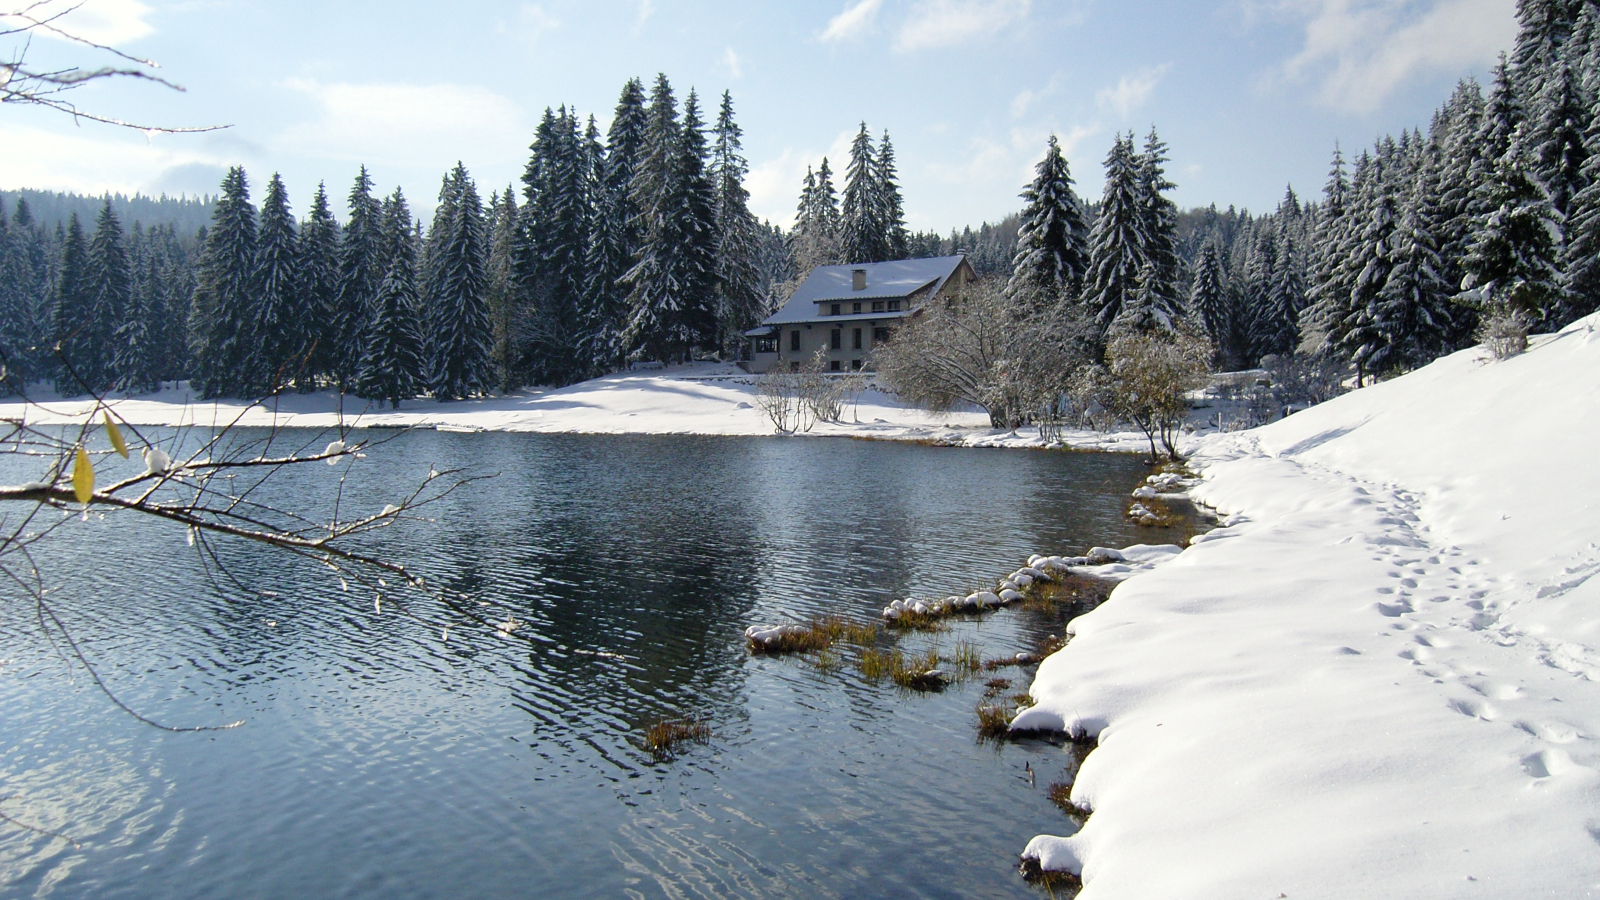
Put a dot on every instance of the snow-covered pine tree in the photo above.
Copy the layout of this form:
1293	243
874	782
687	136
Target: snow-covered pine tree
1513	259
1209	300
136	359
1411	313
741	297
508	313
457	307
1564	118
1253	289
557	217
73	304
393	365
108	286
615	240
397	236
1544	27
653	293
361	270
891	206
1052	239
862	237
1160	233
697	260
1373	258
1116	242
1503	114
318	254
1461	166
1277	331
1580	256
222	315
281	341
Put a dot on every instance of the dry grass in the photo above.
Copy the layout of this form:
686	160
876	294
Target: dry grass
806	641
967	658
913	621
1066	882
818	635
665	737
994	722
826	661
912	671
874	663
994	687
1047	595
1060	793
838	628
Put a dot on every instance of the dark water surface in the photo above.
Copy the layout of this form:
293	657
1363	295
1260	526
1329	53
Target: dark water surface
378	761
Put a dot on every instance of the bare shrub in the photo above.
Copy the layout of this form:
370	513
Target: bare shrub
778	395
820	394
1503	331
1145	378
985	348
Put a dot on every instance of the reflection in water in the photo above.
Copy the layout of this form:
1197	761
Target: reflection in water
379	760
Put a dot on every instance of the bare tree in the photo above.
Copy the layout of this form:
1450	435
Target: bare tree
985	348
23	82
1145	378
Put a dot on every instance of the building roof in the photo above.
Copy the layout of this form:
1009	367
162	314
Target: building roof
885	281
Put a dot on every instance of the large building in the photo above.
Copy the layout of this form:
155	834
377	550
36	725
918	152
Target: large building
845	311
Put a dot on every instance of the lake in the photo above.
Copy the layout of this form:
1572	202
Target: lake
379	761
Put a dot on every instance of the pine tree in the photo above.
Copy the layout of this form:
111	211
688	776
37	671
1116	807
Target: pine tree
614	245
1052	249
393	366
1502	115
1116	243
1461	168
741	302
1328	296
318	255
507	311
1561	152
74	307
224	312
458	298
1277	333
1412	316
557	214
1363	341
1513	259
137	361
862	236
1209	300
1580	257
281	340
891	206
1159	230
108	287
361	270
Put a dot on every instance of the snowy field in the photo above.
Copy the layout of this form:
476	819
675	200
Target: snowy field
1381	678
701	398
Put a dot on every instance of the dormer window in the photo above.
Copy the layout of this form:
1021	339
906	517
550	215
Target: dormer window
894	306
833	310
877	306
858	279
855	308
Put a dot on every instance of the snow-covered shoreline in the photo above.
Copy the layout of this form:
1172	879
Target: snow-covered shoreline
697	399
1380	677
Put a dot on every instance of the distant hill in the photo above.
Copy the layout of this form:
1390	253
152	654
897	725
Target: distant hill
184	214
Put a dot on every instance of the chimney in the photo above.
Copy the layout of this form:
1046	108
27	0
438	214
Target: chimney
858	279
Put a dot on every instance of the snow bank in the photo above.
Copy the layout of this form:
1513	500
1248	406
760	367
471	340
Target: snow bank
702	398
1381	677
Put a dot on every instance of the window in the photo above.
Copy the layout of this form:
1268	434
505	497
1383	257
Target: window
894	306
833	366
856	340
833	310
877	306
767	344
858	279
855	365
837	340
855	309
794	341
879	335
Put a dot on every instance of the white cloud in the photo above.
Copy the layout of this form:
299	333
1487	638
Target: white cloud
731	60
1130	92
855	20
1362	50
946	23
530	24
93	161
108	22
647	8
1025	99
403	123
774	184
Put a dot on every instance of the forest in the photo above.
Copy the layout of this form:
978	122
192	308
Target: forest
638	244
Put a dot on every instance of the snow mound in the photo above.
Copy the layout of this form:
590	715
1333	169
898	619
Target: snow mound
1380	677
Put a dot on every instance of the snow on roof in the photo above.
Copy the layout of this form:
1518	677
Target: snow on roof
884	281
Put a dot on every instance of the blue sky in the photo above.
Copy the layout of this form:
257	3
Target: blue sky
1250	94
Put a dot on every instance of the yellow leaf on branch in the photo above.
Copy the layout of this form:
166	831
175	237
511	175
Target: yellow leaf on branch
116	437
83	477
